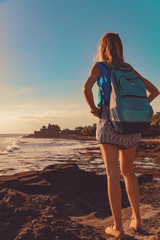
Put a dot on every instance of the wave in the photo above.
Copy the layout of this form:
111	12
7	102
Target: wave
8	145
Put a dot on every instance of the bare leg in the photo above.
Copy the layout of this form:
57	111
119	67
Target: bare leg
110	155
127	157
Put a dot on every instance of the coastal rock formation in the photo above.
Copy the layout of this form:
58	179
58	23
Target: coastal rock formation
54	131
42	204
51	131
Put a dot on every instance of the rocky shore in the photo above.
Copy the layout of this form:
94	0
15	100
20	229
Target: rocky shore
63	202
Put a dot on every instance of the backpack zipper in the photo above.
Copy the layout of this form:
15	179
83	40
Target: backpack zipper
129	79
133	96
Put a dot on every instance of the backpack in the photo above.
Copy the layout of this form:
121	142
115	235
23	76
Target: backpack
129	108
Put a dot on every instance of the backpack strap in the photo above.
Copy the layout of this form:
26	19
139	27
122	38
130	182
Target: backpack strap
108	111
117	67
109	65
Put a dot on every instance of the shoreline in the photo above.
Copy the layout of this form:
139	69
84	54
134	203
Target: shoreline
85	153
71	137
89	157
90	138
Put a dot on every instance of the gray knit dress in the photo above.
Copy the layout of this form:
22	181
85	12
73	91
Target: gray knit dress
106	134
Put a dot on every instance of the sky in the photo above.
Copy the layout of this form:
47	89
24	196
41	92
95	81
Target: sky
47	49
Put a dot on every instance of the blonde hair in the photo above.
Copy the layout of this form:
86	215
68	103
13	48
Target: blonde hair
110	49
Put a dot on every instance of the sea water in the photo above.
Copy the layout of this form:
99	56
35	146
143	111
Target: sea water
18	154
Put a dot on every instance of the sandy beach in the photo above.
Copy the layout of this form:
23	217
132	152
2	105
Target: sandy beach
64	202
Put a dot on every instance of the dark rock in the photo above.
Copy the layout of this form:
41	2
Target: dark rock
39	205
145	178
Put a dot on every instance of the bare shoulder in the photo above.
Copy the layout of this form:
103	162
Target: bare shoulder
95	71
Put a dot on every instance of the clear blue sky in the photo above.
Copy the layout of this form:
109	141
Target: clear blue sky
47	49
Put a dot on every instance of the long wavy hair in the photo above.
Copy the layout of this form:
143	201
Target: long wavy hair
110	49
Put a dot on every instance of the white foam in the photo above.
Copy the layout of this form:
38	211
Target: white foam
8	145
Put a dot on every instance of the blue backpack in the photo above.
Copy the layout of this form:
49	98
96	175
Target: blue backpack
129	108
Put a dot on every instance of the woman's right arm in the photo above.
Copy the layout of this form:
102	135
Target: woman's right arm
94	75
153	92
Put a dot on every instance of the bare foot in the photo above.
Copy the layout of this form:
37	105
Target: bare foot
136	224
113	231
118	227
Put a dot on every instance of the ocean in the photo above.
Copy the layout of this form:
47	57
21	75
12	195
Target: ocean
18	154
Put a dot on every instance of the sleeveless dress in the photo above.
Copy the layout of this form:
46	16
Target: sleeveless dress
104	132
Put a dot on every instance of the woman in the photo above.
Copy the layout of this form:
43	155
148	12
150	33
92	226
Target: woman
114	145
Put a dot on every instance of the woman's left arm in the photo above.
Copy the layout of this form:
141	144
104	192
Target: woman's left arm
94	75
